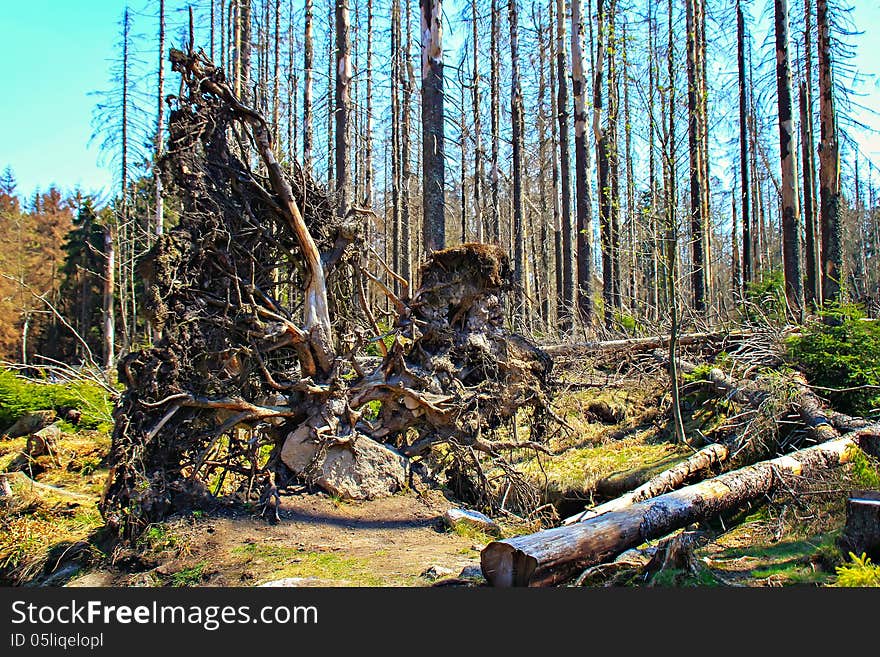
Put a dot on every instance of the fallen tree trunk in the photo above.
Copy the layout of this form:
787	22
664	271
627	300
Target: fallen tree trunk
666	481
552	556
633	344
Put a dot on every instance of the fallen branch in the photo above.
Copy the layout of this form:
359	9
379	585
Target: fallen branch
634	344
552	556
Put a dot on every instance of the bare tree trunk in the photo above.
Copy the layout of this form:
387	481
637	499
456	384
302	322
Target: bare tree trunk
368	136
787	154
308	57
160	121
584	222
495	100
478	144
630	181
566	297
745	185
433	147
697	183
407	230
343	107
813	293
245	52
671	239
516	114
829	168
277	71
109	291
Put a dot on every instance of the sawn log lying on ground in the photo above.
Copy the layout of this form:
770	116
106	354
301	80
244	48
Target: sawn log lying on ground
553	556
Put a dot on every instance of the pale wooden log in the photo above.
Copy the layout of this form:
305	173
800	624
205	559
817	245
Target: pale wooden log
552	556
666	481
632	344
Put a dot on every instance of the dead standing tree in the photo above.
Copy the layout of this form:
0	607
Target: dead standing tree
253	352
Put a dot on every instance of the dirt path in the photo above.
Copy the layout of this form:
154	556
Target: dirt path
319	542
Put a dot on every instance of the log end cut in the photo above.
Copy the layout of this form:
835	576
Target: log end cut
504	565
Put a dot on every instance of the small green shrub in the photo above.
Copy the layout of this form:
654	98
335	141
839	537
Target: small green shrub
858	572
842	351
19	396
768	295
626	322
864	470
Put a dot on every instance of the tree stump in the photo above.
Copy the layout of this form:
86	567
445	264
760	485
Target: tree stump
862	530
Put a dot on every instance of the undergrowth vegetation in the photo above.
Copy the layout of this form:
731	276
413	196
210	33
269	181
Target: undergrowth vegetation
19	396
840	355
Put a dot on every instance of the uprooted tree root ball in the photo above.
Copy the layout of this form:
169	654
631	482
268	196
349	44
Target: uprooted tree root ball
260	297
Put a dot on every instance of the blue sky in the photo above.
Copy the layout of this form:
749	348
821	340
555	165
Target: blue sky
55	52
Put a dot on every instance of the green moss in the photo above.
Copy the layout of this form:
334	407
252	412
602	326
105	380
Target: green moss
468	531
674	577
19	396
192	576
580	469
293	562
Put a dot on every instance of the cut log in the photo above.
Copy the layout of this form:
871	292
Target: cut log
861	534
634	344
666	481
554	555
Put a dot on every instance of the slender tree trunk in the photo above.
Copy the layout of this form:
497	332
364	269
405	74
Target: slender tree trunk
308	58
109	291
672	238
277	71
245	53
368	131
584	223
813	292
433	148
343	107
567	297
630	180
396	124
407	230
829	168
478	144
160	121
542	272
745	185
516	114
495	101
698	220
788	158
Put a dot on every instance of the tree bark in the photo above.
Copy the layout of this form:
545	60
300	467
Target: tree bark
745	185
829	167
697	181
565	294
788	159
582	186
308	62
516	113
433	148
343	107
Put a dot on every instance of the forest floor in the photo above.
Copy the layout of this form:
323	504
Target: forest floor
617	428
